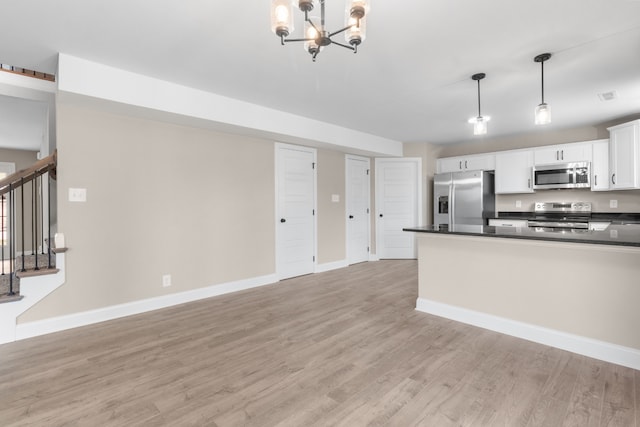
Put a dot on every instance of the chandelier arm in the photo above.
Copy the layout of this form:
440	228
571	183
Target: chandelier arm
343	45
299	40
314	26
322	13
340	31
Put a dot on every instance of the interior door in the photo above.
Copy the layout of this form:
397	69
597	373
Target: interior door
398	205
357	209
295	210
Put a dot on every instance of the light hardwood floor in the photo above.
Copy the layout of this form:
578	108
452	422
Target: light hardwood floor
343	348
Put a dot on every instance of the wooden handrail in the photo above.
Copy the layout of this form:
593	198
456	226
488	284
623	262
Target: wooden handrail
25	175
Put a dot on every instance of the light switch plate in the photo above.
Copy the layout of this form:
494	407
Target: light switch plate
77	194
335	198
518	203
613	203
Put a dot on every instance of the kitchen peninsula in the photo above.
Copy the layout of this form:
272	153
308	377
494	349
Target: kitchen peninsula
576	291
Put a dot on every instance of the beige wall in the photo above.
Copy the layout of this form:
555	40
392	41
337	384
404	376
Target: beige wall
331	215
586	290
168	199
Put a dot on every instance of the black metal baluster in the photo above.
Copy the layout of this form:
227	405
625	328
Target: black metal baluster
49	218
34	221
41	214
22	219
11	239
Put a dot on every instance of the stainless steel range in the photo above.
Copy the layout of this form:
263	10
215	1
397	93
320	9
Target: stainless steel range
561	216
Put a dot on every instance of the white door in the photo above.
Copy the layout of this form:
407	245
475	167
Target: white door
357	209
295	210
398	205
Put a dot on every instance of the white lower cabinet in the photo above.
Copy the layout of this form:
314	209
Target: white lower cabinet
514	172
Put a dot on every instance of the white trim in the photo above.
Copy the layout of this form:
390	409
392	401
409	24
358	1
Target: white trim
373	257
328	266
61	323
613	353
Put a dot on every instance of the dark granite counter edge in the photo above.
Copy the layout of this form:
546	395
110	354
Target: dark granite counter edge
527	237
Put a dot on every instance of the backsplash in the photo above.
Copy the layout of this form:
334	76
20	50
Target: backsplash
628	200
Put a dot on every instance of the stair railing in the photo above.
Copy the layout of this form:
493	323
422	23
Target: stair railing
15	222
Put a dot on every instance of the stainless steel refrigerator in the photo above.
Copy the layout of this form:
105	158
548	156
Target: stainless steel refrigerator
463	198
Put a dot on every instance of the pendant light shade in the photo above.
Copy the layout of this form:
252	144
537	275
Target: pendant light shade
480	122
543	112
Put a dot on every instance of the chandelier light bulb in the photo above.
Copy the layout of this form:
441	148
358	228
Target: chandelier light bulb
543	114
282	18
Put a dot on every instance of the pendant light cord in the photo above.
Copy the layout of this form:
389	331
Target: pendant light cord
542	68
479	113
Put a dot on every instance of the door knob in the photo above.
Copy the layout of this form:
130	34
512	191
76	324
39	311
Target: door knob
283	220
380	215
350	216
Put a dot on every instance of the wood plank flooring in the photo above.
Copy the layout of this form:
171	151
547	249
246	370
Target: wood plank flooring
342	348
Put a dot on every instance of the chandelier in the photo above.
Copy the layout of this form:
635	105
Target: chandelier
316	34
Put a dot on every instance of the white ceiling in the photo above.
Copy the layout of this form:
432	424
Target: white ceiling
410	80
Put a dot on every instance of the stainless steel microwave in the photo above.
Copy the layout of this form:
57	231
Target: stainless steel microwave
562	175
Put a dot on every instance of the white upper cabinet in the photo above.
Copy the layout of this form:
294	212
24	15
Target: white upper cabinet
600	165
514	172
565	153
466	163
624	156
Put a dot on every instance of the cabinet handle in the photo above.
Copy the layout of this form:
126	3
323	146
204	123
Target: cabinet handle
613	179
562	154
595	180
465	164
460	167
557	155
529	183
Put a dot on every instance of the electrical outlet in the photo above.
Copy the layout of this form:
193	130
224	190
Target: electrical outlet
613	203
518	203
166	280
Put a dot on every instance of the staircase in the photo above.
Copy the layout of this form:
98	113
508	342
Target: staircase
25	227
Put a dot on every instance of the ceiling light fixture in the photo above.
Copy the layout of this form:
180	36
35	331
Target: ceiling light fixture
316	34
479	123
543	112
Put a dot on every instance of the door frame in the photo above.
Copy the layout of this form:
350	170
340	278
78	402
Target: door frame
378	189
347	198
277	147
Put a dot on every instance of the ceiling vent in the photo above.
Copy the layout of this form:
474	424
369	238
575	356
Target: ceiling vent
608	96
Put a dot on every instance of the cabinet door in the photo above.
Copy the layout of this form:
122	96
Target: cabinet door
513	172
450	164
623	157
578	152
484	162
600	166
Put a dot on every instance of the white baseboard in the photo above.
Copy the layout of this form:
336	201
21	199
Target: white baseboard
601	350
55	324
373	257
321	268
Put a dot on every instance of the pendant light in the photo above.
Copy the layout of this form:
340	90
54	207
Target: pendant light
479	123
543	112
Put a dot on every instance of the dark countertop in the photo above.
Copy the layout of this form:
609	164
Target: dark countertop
614	218
615	235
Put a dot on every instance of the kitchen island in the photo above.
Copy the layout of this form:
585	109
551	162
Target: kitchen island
577	291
